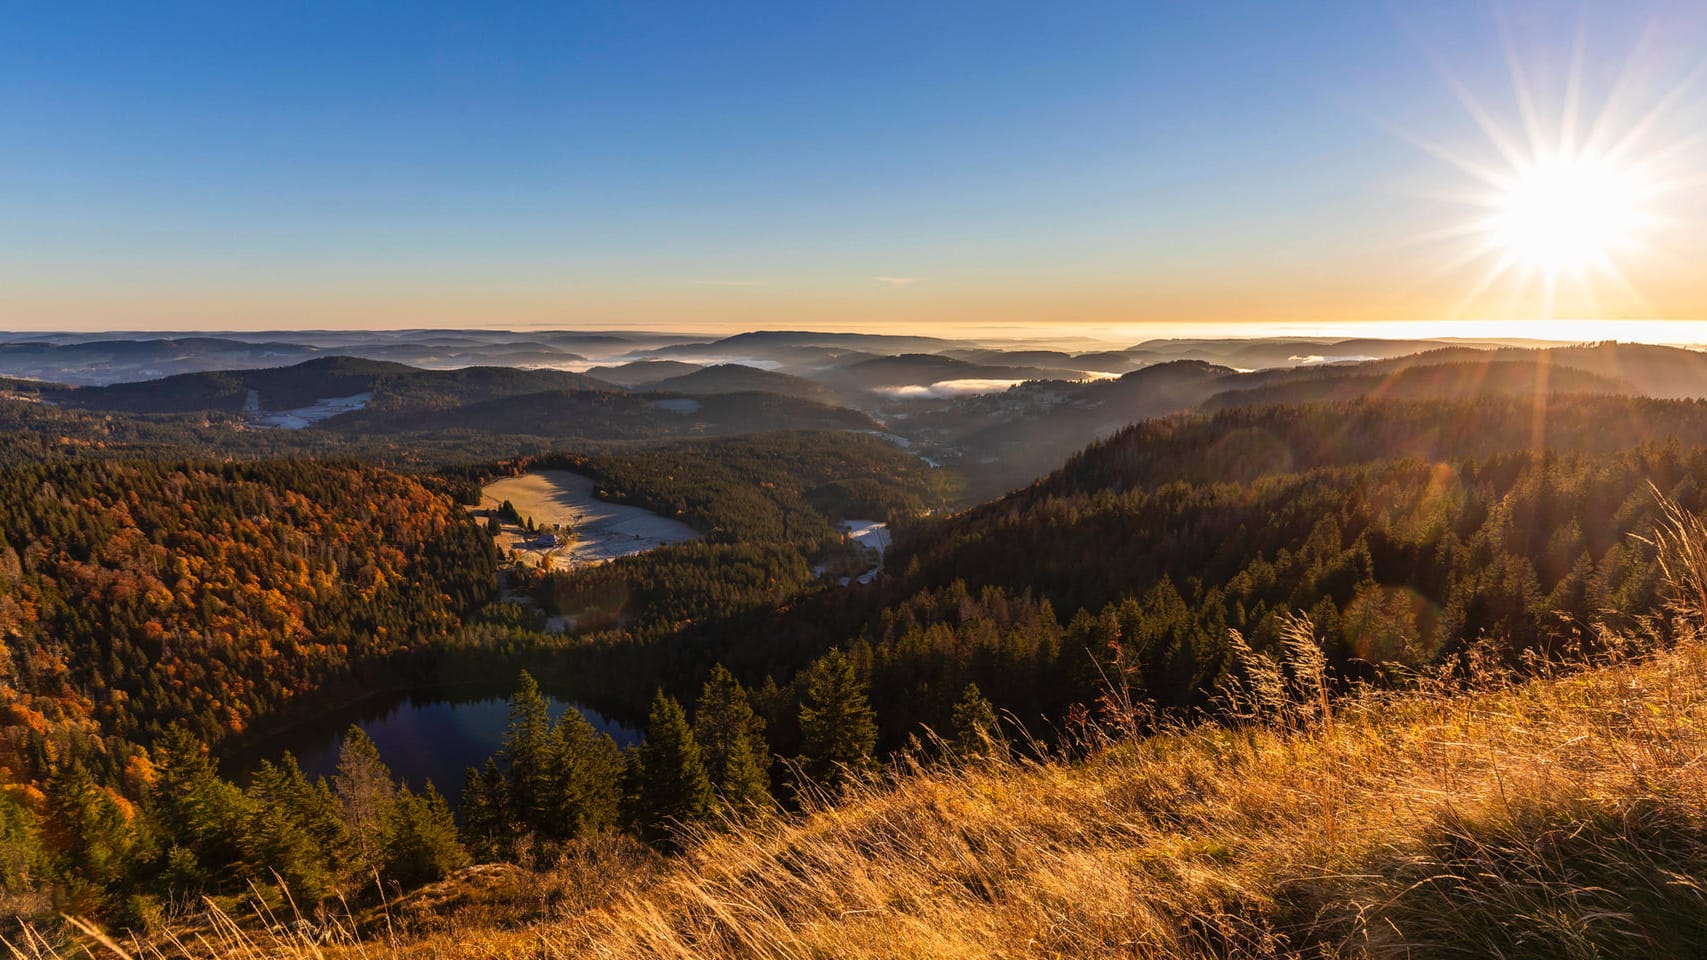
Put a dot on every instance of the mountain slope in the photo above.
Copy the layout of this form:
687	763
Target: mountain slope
1446	381
1241	444
607	415
1008	438
142	593
1644	369
1408	531
642	372
736	378
106	360
394	387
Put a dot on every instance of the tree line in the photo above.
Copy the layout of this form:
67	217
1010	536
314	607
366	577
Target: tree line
363	835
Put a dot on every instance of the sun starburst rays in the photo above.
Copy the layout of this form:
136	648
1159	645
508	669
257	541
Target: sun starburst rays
1559	210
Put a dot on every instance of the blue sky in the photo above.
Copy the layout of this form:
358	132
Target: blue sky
179	165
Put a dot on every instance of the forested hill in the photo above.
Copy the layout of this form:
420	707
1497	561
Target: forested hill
781	487
1649	369
1007	439
610	415
1160	563
1408	531
152	609
1463	380
736	378
1185	496
136	594
1242	443
394	387
767	505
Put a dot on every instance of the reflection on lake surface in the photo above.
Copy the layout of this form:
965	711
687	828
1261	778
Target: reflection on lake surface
421	738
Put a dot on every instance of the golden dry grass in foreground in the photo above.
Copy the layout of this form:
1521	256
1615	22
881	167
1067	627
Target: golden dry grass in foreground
1552	818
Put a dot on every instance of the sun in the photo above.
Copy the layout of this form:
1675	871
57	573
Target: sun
1564	207
1568	216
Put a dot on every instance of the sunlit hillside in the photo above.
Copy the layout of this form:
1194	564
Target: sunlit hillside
1546	818
1559	815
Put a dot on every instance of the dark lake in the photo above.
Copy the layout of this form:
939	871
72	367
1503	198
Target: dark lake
421	737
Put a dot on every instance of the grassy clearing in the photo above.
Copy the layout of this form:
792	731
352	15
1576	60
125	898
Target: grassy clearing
593	530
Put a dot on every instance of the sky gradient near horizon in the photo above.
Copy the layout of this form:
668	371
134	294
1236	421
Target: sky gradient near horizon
1136	168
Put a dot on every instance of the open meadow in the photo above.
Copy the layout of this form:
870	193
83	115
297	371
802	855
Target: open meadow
583	529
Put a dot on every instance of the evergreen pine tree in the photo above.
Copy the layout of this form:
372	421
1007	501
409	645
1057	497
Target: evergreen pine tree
419	839
294	831
22	858
667	777
732	743
526	751
837	726
486	813
193	810
90	840
975	723
365	791
587	777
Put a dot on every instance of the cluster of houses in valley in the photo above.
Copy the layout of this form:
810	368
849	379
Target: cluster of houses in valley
545	545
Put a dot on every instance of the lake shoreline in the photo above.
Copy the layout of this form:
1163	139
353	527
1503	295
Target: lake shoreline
424	734
442	675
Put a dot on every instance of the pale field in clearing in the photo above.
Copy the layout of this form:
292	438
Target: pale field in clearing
597	530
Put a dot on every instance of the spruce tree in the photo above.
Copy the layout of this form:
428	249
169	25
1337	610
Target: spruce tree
182	768
732	743
365	791
193	810
975	723
587	777
90	840
526	752
294	831
486	812
419	839
667	777
22	858
837	726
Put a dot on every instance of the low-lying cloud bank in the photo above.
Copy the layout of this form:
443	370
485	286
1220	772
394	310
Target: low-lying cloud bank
947	388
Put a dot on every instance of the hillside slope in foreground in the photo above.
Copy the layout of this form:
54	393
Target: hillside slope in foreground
1563	816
